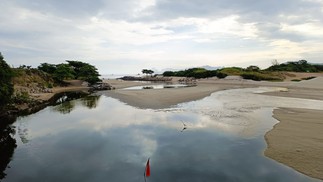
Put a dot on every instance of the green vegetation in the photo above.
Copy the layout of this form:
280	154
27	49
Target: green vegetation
297	66
71	70
146	71
31	77
48	68
6	86
196	73
236	71
262	75
63	72
253	73
28	80
21	97
85	71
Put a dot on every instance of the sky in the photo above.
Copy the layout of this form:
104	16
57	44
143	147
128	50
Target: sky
130	35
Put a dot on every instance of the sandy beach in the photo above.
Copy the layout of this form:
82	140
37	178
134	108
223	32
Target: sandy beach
295	141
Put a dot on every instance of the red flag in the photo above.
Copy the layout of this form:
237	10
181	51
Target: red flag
147	173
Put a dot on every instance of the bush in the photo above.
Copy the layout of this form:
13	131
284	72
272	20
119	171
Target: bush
49	85
6	86
195	73
296	66
258	76
20	98
232	71
221	75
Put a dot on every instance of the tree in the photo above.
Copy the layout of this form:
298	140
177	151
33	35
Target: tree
252	68
6	86
63	71
168	73
85	71
88	73
146	71
48	68
77	65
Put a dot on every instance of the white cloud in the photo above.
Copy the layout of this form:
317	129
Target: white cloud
309	28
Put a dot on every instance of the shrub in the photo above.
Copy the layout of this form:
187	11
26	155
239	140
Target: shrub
6	86
258	76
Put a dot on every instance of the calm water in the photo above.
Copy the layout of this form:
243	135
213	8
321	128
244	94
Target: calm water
163	86
101	139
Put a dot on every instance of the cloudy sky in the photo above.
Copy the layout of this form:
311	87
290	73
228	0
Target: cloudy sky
127	36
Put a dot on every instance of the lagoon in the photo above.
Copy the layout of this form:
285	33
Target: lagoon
98	138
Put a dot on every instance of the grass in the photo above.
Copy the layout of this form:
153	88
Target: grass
232	71
26	77
253	75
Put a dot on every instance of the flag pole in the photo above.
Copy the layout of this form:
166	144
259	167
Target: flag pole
145	175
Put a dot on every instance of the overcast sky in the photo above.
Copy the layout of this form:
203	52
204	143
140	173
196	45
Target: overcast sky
126	36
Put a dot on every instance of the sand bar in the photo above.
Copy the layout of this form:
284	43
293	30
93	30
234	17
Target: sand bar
163	98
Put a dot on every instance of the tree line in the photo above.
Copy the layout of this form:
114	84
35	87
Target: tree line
296	66
196	73
71	70
251	72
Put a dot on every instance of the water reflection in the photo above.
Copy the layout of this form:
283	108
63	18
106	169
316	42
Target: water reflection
91	102
112	141
7	147
67	107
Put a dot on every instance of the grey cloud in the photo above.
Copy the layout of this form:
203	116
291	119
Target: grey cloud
64	8
80	9
245	8
274	31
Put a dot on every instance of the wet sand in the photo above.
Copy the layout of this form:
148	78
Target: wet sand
295	141
163	98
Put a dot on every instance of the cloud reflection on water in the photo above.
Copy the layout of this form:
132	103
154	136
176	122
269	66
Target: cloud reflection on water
111	142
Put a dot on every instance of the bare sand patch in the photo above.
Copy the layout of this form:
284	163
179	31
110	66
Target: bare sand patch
163	98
